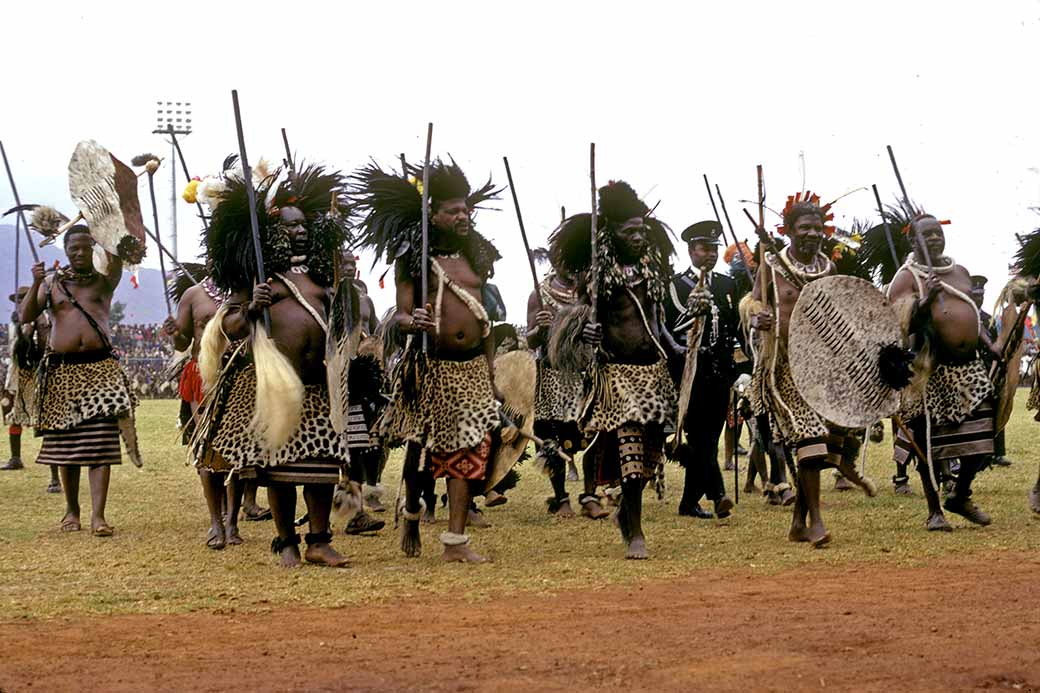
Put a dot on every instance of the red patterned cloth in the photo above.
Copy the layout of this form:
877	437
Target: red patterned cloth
190	385
469	463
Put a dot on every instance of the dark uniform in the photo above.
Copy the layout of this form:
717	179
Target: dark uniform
716	372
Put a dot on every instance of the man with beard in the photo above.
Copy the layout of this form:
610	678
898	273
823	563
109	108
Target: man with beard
268	415
27	342
196	306
559	397
632	396
817	444
444	404
955	416
714	299
83	399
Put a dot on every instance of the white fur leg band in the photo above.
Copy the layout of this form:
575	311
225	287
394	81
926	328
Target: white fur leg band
453	539
414	517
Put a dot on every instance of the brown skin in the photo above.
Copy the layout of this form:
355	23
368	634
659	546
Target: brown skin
71	333
540	318
956	326
460	333
302	341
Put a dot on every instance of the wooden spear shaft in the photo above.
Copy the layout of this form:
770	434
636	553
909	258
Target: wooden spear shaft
425	270
594	221
523	234
162	262
187	176
247	174
18	201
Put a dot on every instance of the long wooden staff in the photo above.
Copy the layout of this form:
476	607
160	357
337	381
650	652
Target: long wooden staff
425	271
733	235
17	254
288	153
921	245
152	166
18	202
187	176
247	174
594	221
888	230
523	234
693	345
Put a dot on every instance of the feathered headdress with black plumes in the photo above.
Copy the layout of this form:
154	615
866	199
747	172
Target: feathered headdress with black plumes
876	253
390	209
185	276
570	244
1027	259
230	257
322	197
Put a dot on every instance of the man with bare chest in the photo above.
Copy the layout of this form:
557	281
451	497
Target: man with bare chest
268	416
444	404
632	397
196	306
559	396
817	444
83	398
954	416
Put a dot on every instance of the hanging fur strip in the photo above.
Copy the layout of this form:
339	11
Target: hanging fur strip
279	394
567	350
212	347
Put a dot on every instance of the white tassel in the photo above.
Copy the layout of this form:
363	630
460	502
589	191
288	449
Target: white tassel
279	394
211	348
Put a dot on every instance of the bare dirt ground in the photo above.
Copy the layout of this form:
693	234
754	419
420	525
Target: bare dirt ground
958	625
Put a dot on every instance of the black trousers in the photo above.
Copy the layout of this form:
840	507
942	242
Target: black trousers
705	421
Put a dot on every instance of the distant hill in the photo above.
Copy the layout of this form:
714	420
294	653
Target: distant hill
143	305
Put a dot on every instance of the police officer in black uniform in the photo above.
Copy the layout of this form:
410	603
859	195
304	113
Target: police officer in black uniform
716	369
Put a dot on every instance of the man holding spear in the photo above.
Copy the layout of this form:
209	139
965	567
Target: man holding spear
615	332
444	405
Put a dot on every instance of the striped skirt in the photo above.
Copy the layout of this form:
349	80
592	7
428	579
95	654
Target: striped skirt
94	442
969	438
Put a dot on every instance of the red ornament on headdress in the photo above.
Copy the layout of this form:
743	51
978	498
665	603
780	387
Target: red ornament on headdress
809	197
921	215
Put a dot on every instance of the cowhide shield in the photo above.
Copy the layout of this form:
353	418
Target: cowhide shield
1006	378
105	191
838	327
516	375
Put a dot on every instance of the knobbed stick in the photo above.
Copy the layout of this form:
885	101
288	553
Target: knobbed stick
523	234
424	292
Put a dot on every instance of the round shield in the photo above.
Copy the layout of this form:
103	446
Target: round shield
516	375
1007	377
837	331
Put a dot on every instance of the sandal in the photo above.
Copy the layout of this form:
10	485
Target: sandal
104	531
70	524
215	539
257	515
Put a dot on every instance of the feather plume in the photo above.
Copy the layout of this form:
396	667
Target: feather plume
876	253
1027	259
211	349
47	220
895	366
183	277
142	159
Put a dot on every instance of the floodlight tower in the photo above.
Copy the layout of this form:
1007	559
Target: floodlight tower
175	117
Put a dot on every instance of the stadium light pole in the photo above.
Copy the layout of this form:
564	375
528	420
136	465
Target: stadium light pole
175	115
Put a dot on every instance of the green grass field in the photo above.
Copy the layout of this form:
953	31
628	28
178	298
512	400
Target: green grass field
157	561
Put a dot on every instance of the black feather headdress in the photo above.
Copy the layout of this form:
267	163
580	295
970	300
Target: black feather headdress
876	254
1027	259
390	209
319	194
185	276
570	245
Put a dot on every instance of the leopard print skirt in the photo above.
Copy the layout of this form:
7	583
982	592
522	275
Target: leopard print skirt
455	408
790	416
314	454
953	392
72	392
633	394
560	395
22	409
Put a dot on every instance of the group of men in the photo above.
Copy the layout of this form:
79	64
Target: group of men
289	380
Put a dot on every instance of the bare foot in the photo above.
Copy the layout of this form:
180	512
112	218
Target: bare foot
819	536
70	523
637	549
938	523
233	537
799	532
411	544
289	557
324	554
462	553
787	497
593	510
565	511
477	519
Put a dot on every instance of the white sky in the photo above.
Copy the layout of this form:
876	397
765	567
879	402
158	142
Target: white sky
668	91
